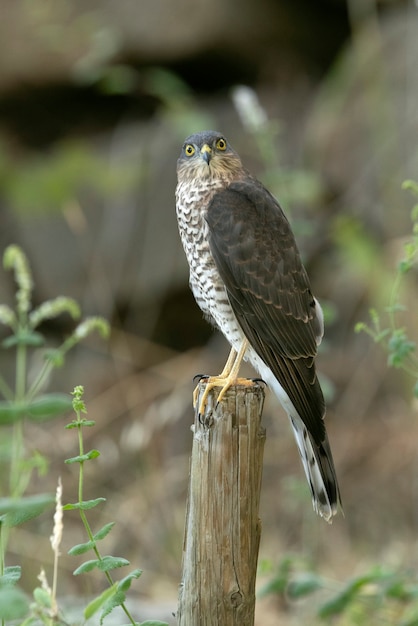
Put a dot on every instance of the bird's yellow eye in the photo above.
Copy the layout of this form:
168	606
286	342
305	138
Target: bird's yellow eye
221	144
189	149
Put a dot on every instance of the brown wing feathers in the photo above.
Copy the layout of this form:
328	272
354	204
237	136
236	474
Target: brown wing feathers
256	255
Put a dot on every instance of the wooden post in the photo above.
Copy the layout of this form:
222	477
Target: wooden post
222	532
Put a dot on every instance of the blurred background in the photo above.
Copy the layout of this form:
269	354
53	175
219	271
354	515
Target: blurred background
320	100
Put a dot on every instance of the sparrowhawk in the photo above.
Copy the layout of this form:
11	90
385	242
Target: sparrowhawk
247	277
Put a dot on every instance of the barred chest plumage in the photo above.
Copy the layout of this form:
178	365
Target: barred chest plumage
205	282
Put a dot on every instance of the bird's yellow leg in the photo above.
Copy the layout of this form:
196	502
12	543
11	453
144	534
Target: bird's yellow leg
229	364
228	377
226	370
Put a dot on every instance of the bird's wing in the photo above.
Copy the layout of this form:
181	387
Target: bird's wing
268	288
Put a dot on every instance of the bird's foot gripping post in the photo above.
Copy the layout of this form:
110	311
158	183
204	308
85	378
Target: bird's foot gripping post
223	528
227	378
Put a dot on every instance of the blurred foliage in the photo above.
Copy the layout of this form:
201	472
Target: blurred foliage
292	185
50	182
178	105
381	596
23	402
385	328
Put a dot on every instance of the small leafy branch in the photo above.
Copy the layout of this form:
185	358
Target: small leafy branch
394	338
115	595
44	610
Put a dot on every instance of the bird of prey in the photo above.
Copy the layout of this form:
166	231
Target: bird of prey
247	277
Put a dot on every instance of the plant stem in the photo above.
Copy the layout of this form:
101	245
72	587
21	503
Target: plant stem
84	517
34	388
5	390
21	358
17	441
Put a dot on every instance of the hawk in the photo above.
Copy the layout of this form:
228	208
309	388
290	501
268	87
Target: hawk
247	277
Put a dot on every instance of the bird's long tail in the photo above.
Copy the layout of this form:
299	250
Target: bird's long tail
316	458
319	469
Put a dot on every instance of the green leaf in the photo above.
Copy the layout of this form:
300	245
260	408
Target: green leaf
153	622
399	347
360	327
49	405
280	581
13	603
96	604
78	423
410	185
81	548
93	454
338	603
125	583
83	506
304	585
108	563
104	564
10	412
43	407
87	566
404	266
24	338
11	575
42	598
17	512
104	531
114	601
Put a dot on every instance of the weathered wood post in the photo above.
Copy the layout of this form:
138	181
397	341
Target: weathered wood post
222	532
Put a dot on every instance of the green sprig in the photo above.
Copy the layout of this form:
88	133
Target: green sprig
393	337
115	595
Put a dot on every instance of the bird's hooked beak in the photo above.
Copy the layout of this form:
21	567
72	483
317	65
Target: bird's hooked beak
206	153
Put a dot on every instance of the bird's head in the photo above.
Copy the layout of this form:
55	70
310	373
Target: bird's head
208	155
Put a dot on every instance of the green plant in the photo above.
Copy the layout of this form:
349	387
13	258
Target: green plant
380	596
386	329
115	594
23	401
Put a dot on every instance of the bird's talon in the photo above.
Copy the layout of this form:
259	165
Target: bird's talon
205	420
200	377
259	380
